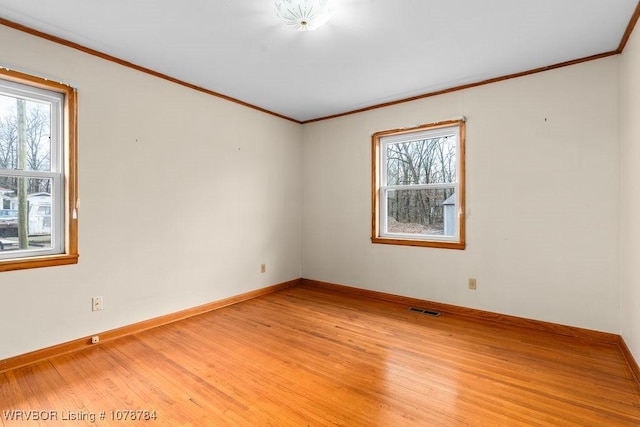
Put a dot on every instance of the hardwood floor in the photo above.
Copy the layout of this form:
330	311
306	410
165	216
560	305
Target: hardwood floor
311	356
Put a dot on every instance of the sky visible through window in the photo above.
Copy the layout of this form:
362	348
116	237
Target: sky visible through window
7	105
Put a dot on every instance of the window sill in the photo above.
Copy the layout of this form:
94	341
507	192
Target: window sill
421	243
37	262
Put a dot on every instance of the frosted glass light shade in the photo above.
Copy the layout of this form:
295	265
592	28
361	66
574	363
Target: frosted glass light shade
303	15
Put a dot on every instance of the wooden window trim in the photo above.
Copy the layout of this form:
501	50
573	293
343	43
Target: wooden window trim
375	188
70	144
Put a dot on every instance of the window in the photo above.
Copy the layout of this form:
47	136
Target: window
418	186
38	180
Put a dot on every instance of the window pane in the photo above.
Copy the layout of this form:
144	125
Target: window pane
25	221
422	212
424	161
27	123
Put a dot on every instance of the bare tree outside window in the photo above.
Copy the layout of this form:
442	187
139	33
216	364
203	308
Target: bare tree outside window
25	145
37	141
426	161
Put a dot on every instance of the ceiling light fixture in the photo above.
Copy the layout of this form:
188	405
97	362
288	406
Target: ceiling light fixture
303	15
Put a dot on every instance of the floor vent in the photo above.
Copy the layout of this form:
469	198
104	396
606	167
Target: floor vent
425	311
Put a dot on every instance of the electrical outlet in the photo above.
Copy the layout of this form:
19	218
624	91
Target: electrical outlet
472	283
96	304
263	268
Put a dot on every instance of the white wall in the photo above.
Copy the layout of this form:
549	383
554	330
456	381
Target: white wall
543	169
630	177
183	196
542	196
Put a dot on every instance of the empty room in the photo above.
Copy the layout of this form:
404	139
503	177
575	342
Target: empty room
314	212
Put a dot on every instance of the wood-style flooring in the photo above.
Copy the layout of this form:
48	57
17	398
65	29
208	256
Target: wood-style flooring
308	356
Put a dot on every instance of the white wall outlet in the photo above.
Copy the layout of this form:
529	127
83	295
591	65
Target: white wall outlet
95	339
263	268
472	283
96	304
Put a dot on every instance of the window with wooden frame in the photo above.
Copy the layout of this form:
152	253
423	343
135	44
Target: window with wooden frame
38	172
418	191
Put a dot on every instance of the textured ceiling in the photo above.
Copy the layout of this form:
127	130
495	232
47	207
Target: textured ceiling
371	52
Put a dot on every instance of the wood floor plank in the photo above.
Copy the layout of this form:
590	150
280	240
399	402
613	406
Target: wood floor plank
312	356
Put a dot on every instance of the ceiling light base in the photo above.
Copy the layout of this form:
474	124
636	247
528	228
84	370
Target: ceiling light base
303	15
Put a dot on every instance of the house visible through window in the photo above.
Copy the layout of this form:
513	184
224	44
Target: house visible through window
418	186
37	172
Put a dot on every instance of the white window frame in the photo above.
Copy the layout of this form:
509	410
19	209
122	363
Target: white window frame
380	142
62	173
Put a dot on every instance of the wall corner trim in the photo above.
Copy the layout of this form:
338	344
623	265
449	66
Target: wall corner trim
111	335
630	27
487	316
83	343
107	57
569	331
631	361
